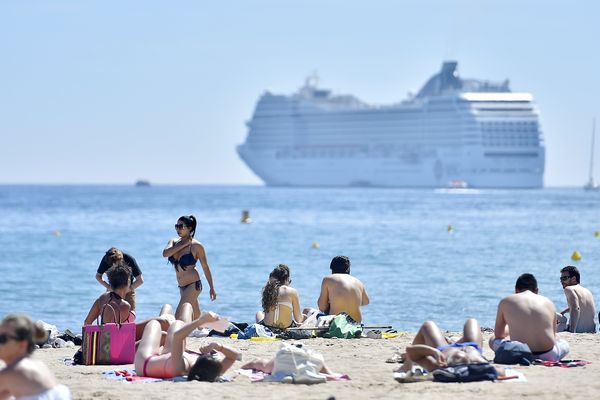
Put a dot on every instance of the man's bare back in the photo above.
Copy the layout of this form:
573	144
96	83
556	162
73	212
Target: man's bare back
529	318
343	293
582	309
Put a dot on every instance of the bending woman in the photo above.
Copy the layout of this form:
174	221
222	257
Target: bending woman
172	359
431	350
183	254
24	377
280	302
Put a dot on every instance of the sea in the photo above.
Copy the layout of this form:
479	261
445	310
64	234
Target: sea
441	255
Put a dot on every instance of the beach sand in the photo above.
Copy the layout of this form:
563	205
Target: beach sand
362	359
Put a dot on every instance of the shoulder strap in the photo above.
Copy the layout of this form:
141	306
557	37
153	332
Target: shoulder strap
101	316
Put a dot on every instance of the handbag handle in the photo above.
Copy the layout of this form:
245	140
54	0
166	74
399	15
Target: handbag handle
101	315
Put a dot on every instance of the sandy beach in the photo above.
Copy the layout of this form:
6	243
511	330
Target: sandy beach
362	359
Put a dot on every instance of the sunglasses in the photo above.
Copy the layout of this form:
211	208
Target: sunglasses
565	278
5	337
179	226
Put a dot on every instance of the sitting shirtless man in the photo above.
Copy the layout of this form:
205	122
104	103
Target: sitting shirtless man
529	318
341	292
581	306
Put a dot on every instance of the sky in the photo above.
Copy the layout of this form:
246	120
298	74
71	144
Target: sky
115	91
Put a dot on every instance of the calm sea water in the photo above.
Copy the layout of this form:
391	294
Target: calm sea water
397	240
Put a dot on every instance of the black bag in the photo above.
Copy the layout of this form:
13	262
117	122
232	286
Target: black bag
296	334
466	373
513	352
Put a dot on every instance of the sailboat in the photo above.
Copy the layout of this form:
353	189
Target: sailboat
592	185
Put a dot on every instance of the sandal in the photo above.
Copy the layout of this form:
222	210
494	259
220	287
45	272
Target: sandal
416	375
395	358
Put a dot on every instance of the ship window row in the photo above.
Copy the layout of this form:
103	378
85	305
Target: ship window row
352	114
503	109
531	143
344	126
505	170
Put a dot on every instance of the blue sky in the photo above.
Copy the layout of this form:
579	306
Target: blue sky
113	91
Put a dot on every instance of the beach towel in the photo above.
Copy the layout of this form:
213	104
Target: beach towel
129	376
295	364
512	375
563	363
259	376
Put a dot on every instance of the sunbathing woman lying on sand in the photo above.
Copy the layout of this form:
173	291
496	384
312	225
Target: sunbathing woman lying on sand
432	351
23	377
281	303
172	359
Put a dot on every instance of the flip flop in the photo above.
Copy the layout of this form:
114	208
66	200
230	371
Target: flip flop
417	375
372	334
395	358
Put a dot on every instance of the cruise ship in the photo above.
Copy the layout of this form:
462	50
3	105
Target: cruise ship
454	132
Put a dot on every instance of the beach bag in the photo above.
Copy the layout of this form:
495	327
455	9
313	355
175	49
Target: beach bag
344	327
108	344
513	352
466	373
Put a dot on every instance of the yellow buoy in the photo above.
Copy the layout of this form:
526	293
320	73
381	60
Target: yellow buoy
576	256
315	245
449	229
597	233
56	233
246	217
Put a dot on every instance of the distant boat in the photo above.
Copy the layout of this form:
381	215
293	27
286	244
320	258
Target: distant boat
142	183
458	184
592	185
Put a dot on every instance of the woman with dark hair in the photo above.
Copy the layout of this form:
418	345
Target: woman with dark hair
172	359
183	252
24	377
280	302
119	284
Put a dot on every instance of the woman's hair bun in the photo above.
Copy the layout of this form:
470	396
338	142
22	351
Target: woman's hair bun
39	334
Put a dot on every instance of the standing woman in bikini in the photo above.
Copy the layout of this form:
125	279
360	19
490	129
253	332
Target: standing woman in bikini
183	252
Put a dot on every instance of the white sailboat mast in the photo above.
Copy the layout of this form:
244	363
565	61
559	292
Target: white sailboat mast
592	152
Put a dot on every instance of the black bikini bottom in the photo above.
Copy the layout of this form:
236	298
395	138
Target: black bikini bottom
198	284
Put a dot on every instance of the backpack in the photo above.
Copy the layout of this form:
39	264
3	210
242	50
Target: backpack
513	352
344	327
466	373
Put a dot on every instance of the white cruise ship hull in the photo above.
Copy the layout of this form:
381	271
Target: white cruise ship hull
377	172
